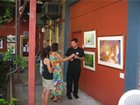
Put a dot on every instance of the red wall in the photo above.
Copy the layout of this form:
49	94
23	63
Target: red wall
108	18
9	29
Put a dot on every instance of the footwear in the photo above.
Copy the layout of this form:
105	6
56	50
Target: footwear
54	100
76	96
57	100
52	97
69	97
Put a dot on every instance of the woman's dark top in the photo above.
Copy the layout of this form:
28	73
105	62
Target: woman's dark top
46	74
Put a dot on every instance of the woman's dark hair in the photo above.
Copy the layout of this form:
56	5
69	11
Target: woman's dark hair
46	52
55	47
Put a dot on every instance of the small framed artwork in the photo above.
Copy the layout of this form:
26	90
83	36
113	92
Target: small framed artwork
89	61
1	43
110	51
11	46
90	39
11	39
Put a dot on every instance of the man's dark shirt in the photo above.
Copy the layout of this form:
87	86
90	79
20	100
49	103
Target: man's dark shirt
75	63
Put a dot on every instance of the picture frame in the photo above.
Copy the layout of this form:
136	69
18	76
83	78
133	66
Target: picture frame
110	51
90	39
12	46
1	43
11	39
89	60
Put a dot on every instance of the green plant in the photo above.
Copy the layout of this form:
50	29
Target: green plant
7	17
11	102
8	55
20	61
3	102
17	60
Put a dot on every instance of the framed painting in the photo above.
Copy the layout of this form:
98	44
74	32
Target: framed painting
89	61
110	51
1	43
90	39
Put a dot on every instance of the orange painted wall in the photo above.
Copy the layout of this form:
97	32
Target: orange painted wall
108	18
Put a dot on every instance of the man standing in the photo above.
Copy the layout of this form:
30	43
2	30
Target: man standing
74	68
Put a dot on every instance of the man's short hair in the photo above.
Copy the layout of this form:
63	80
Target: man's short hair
75	40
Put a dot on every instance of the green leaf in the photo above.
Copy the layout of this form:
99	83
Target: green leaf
3	102
8	55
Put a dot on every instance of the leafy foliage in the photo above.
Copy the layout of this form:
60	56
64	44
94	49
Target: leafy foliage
7	17
8	55
20	61
11	102
3	102
10	59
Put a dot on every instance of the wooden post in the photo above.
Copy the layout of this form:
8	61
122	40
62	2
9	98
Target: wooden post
32	43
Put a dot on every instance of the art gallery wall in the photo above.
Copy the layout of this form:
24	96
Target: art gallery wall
108	18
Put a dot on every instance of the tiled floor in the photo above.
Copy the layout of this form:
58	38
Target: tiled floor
21	92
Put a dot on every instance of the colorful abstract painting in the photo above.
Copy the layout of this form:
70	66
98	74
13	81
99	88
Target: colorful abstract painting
110	51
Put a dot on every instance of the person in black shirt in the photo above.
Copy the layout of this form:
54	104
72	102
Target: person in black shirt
74	68
47	75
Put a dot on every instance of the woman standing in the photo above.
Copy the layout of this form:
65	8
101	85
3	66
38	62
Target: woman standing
56	61
47	75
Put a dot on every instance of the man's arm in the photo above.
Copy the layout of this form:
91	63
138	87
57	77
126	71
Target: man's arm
61	59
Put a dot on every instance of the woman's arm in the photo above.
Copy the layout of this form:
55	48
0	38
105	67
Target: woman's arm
47	63
80	58
61	59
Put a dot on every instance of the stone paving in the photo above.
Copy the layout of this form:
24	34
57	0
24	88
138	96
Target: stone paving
21	92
